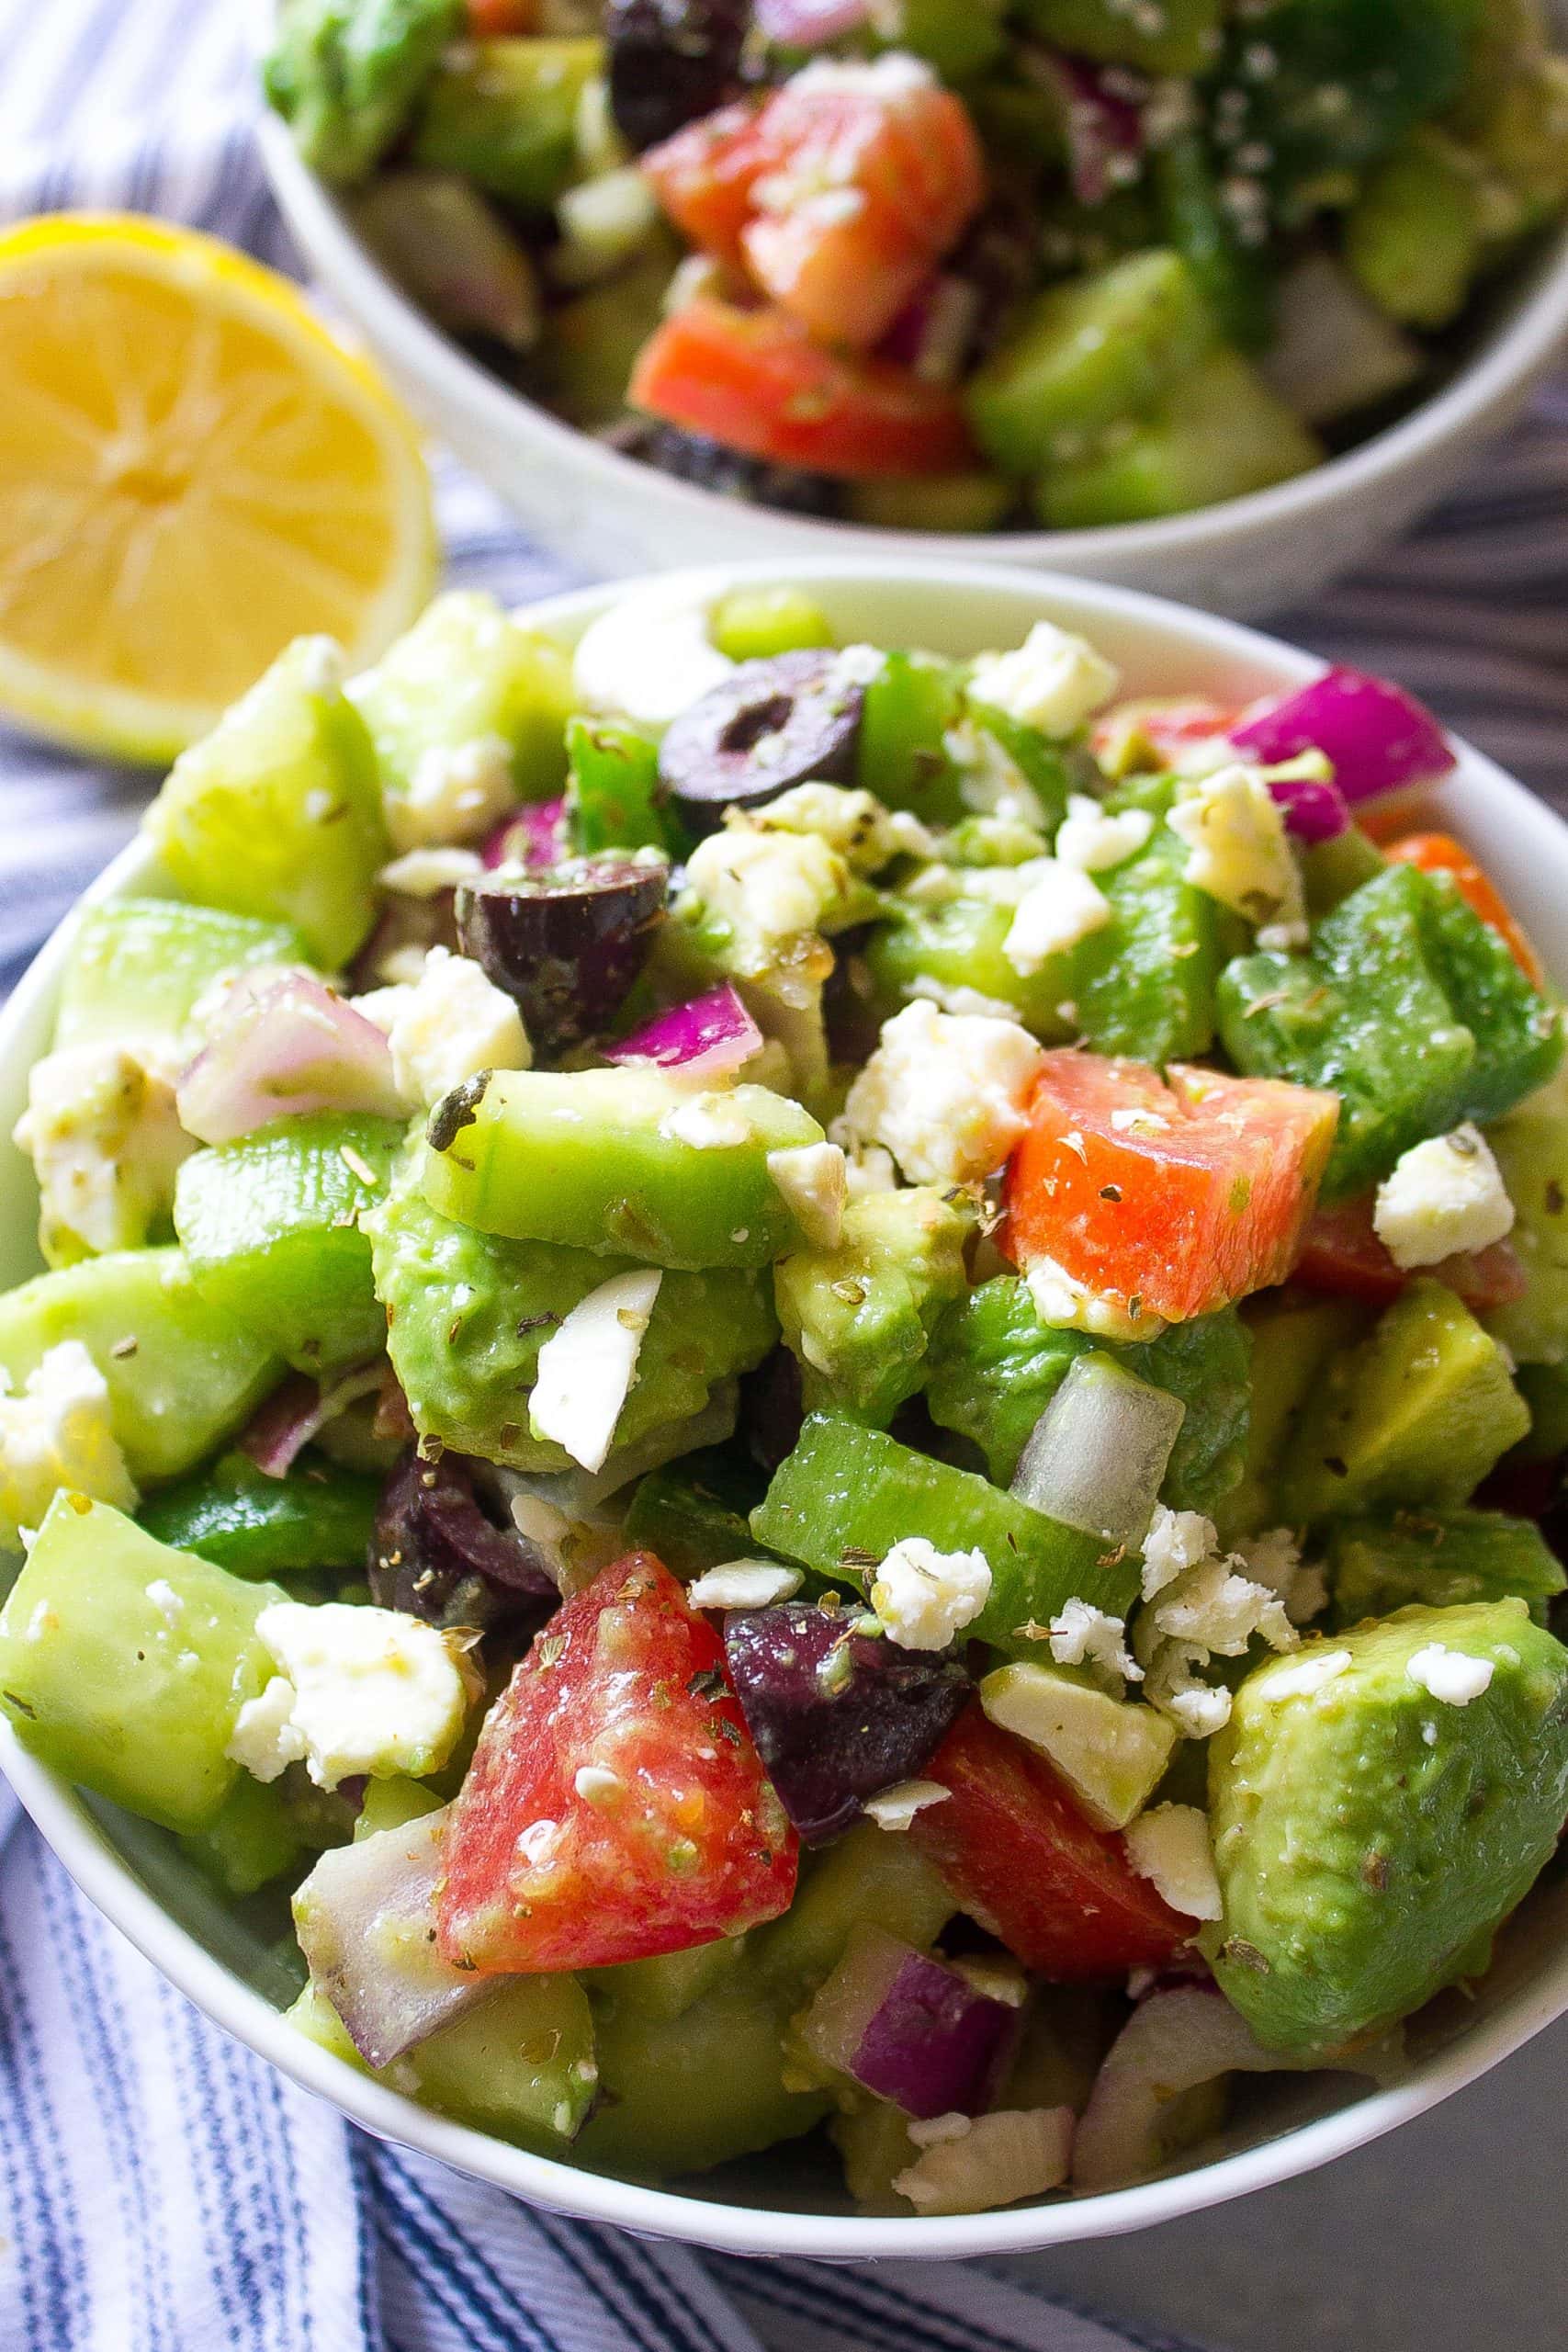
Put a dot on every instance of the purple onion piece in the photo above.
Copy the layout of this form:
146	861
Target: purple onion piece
1375	735
909	2028
296	1410
536	836
1101	127
708	1036
281	1046
437	1555
809	24
837	1716
1315	810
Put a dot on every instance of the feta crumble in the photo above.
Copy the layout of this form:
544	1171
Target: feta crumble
855	824
445	1026
769	892
896	1808
925	1598
1054	681
1084	1636
1451	1676
743	1584
1061	905
455	795
1273	1558
1303	1677
586	1368
812	1180
370	1690
265	1739
1169	1847
1066	1304
869	1170
104	1135
1198	1606
597	1784
1176	1540
1091	838
710	1122
1240	852
426	873
59	1434
1444	1196
944	1093
649	656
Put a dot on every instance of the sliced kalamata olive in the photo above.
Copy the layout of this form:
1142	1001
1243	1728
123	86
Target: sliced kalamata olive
776	723
567	942
772	1408
437	1554
671	60
696	457
837	1715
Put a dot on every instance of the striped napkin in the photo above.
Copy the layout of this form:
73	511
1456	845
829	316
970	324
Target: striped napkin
162	2191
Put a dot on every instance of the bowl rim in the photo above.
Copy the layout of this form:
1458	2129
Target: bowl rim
1508	361
109	1880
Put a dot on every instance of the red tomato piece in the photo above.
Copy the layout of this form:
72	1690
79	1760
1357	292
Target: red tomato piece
1440	853
1015	1850
616	1806
755	380
703	178
500	19
1180	1195
1340	1252
1169	726
872	177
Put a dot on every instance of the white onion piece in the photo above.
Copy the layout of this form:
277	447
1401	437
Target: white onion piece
997	2159
1097	1456
281	1047
1174	2042
364	1918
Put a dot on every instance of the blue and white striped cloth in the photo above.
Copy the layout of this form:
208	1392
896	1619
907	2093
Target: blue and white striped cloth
161	2190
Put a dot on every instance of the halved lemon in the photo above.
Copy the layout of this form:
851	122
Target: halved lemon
192	472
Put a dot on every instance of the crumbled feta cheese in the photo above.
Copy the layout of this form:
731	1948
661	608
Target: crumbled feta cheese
1240	852
944	1093
105	1138
1084	1636
649	656
1066	1304
1091	838
868	1169
1303	1679
990	783
445	1026
1214	1606
166	1601
265	1739
812	1179
59	1433
939	2130
1053	680
744	1583
1061	906
855	824
586	1368
455	795
966	1003
426	873
1444	1196
1452	1675
1274	1559
710	1122
896	1808
373	1690
1196	1607
1176	1540
925	1598
1169	1847
769	892
1198	1709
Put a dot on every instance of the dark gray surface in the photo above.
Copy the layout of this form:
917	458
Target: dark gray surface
1450	2235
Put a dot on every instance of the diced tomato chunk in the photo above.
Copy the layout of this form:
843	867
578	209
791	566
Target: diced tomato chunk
500	19
703	176
1168	726
1167	1197
754	381
1440	853
868	187
1340	1252
615	1807
1015	1849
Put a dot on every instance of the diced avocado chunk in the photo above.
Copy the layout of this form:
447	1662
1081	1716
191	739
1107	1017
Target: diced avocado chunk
254	1525
953	948
846	1495
346	74
503	114
1293	1335
858	1317
137	968
1417	233
993	1367
124	1665
467	679
269	1226
1415	1416
468	1313
182	1375
1112	1752
1219	434
1442	1558
1369	1835
1088	354
1177	36
1144	984
622	1161
1409	1008
277	813
520	2063
1531	1148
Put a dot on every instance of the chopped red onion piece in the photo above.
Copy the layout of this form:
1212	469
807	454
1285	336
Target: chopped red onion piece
364	1918
1104	129
706	1038
808	24
909	2028
1097	1456
1315	810
932	333
280	1046
296	1409
1376	735
535	836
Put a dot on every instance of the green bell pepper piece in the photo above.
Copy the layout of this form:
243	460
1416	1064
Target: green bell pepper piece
236	1516
614	798
1145	982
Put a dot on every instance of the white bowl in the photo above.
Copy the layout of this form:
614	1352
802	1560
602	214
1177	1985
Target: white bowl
604	513
781	2203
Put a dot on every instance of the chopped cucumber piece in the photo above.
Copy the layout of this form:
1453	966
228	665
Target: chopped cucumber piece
1417	234
952	950
503	115
124	1665
237	1517
756	624
1112	1752
252	1840
139	965
686	2092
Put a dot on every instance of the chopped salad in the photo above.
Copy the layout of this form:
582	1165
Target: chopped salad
951	265
803	1385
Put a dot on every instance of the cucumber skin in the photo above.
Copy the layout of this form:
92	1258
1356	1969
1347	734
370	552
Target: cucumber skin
138	965
254	1526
